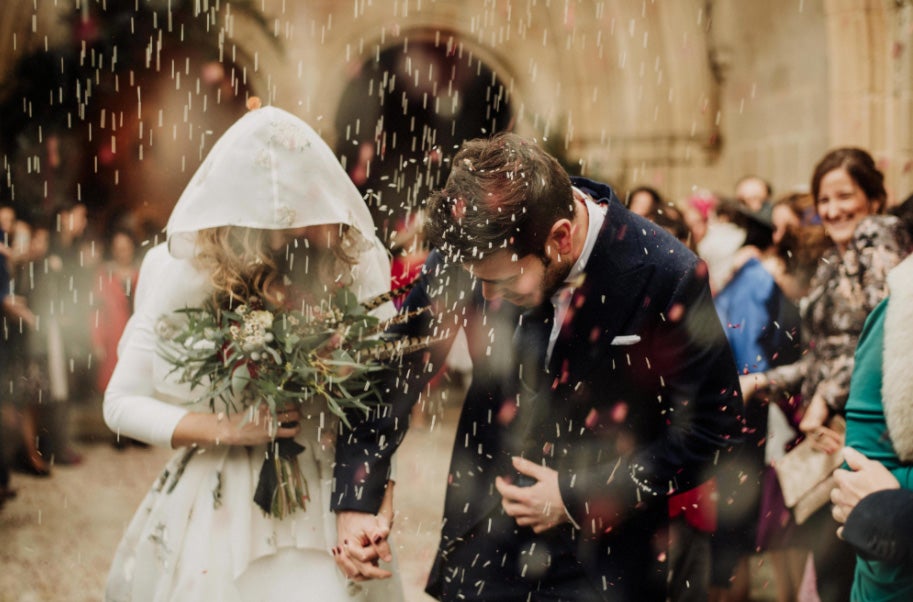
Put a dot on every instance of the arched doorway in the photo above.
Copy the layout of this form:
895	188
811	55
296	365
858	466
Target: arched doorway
403	115
119	111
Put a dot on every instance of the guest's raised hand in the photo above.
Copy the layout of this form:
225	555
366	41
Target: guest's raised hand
538	506
864	477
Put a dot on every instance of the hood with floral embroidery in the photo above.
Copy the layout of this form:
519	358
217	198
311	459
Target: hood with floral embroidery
272	171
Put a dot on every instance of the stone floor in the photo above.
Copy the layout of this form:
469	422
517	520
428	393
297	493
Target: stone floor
58	536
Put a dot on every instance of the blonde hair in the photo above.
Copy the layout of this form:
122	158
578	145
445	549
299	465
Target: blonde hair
242	265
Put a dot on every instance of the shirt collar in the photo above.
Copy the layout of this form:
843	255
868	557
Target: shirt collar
596	219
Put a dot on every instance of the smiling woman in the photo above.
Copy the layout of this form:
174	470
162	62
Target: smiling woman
847	187
850	281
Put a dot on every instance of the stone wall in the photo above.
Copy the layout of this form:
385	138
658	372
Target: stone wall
680	95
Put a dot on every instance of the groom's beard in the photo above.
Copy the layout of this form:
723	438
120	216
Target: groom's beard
554	277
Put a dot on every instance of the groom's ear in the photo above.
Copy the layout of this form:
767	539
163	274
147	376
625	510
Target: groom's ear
560	239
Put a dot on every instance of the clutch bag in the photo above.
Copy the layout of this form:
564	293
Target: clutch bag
806	475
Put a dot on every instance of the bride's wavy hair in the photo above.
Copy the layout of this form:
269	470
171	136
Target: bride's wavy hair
241	263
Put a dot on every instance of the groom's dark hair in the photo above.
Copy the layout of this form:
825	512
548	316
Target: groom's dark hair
502	193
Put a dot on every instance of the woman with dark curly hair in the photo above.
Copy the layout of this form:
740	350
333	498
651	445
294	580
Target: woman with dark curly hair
851	280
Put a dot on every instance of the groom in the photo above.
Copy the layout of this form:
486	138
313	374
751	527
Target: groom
602	384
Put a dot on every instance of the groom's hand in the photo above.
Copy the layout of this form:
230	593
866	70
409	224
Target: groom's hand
538	506
361	541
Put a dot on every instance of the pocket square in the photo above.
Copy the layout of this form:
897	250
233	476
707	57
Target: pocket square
625	339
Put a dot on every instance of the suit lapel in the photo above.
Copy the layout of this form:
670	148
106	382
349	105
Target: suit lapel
603	306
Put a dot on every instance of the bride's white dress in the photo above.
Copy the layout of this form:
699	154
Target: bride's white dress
198	535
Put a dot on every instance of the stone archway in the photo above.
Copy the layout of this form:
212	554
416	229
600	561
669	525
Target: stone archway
405	111
136	101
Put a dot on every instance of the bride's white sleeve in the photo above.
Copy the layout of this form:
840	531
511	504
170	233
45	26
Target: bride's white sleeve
130	408
152	269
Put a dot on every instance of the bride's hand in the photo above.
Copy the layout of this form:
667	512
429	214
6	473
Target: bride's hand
363	541
356	554
251	427
255	427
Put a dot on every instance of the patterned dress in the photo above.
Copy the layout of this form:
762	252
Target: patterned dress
844	290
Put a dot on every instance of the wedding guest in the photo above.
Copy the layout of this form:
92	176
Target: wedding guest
762	327
720	240
21	327
115	283
645	201
16	315
754	193
674	223
800	241
879	436
60	293
850	281
269	215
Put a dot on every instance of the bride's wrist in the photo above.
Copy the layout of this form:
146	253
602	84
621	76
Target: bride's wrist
224	434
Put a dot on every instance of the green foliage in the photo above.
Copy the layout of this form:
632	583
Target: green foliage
255	354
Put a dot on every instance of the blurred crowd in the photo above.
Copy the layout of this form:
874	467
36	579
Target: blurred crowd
67	295
794	278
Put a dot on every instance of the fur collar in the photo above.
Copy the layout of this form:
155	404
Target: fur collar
897	364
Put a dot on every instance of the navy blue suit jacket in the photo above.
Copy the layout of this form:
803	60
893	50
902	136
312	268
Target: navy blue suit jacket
640	399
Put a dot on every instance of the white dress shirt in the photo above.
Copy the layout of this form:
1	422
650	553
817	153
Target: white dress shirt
561	300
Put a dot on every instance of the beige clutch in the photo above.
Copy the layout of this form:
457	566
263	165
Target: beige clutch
806	475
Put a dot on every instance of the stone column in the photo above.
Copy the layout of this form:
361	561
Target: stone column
900	125
870	87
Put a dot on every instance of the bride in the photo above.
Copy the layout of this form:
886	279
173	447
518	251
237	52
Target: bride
269	211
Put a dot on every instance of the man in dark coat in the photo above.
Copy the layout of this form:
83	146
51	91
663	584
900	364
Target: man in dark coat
616	389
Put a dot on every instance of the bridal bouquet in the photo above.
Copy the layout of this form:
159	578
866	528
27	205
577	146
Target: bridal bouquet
252	354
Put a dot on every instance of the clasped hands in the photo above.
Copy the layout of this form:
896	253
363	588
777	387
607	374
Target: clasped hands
362	541
362	537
